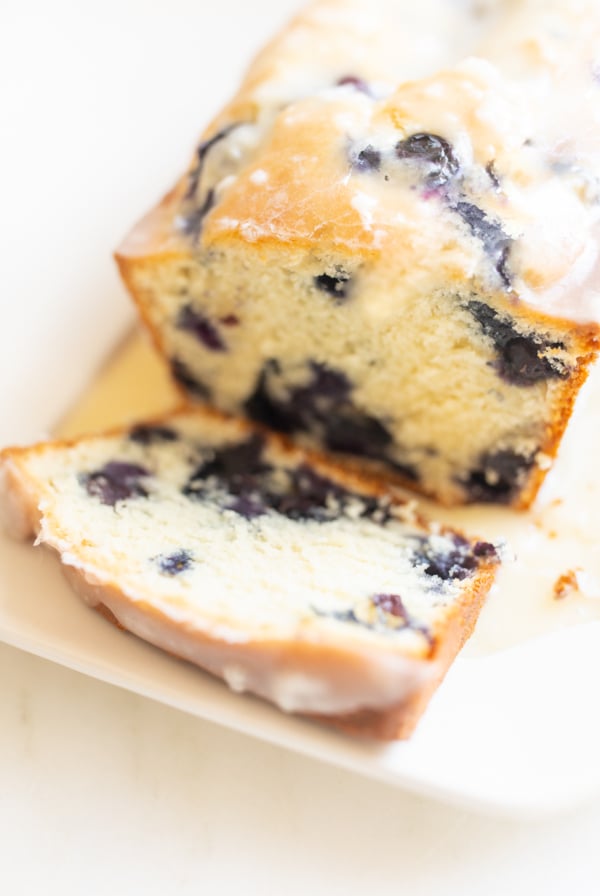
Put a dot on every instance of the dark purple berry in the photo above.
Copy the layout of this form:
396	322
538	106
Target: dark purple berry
149	434
354	81
499	477
521	359
323	407
235	465
248	507
194	210
495	241
191	223
493	174
485	550
173	564
336	285
201	327
304	406
357	433
368	159
456	562
230	320
201	153
115	481
182	375
433	153
390	603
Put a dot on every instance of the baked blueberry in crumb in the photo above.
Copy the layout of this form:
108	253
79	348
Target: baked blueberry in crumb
458	561
239	479
324	407
201	153
357	433
499	477
173	564
201	327
115	481
303	406
310	496
191	224
247	506
230	320
521	359
150	434
491	172
380	612
368	159
495	241
485	550
433	153
237	460
390	603
185	378
354	81
336	285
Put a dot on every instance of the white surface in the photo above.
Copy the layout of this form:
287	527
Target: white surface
107	794
102	791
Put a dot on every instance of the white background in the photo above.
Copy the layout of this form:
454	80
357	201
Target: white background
102	791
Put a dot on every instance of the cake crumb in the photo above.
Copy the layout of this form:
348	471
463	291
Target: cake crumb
566	584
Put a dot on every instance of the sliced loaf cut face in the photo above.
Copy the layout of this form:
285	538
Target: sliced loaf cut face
387	247
311	587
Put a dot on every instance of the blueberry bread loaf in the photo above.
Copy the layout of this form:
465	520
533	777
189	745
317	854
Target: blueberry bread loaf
271	568
387	243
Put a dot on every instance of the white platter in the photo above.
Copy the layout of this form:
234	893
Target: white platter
513	731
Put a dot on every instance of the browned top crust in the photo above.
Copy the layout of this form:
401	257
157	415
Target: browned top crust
315	151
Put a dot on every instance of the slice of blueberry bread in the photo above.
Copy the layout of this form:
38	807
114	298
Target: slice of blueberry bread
269	567
386	245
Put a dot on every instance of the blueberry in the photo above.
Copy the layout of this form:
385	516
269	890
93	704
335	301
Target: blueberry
354	81
490	169
457	562
115	481
201	327
368	159
191	223
432	152
336	285
324	407
304	405
248	507
182	374
239	479
357	433
495	241
235	465
230	320
484	550
173	564
390	603
521	359
310	495
392	616
148	434
201	153
263	407
498	476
